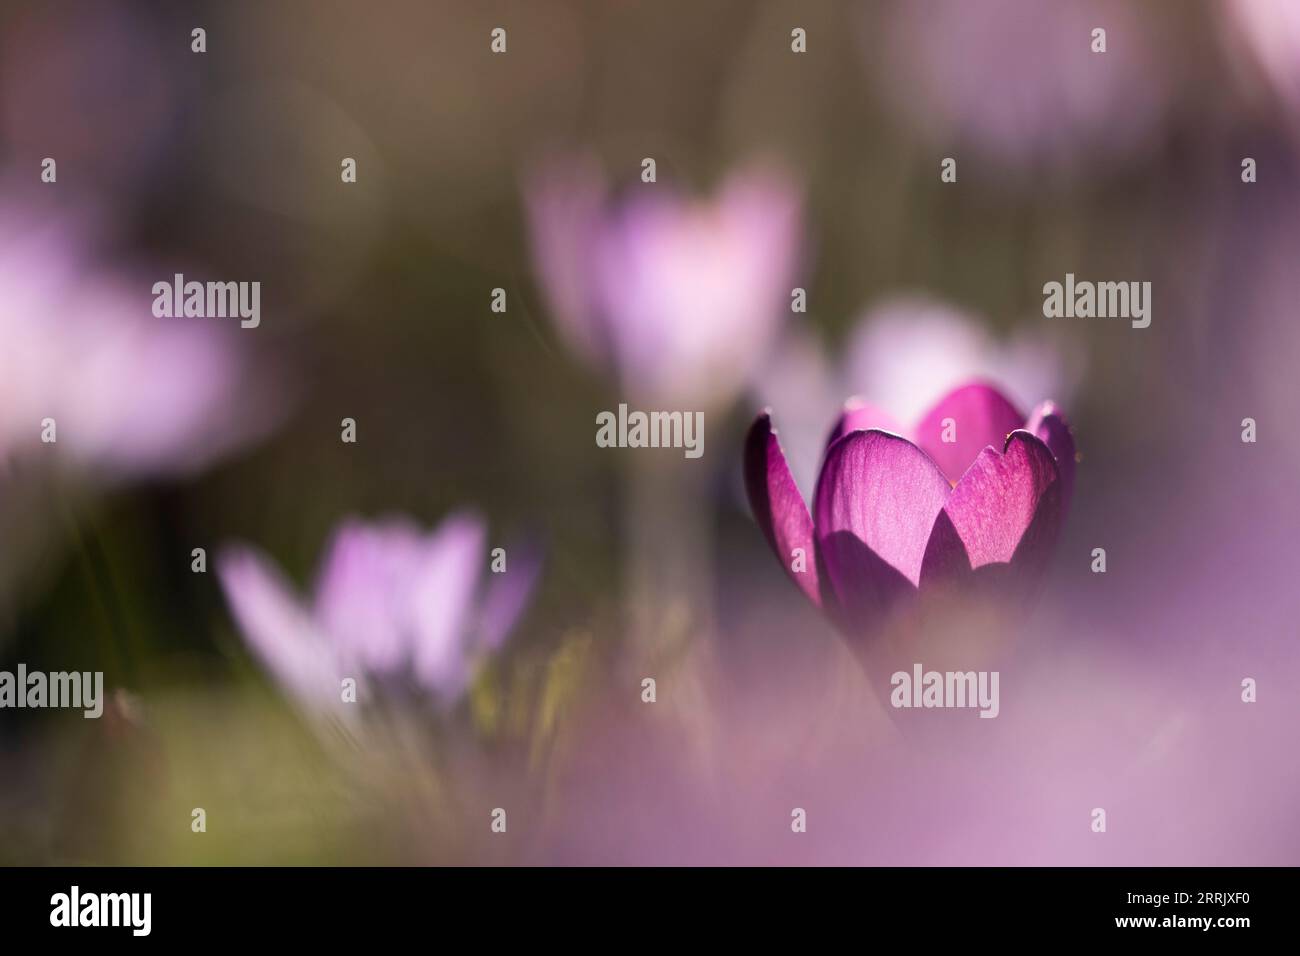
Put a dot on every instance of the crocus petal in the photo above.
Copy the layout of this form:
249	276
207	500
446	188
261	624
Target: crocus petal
507	594
1001	499
859	415
1050	425
441	605
361	591
777	505
694	293
980	415
565	206
279	629
876	502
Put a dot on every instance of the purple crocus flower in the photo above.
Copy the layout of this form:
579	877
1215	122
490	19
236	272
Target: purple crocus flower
678	300
391	602
130	395
975	493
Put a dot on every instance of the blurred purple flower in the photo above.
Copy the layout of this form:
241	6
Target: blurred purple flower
977	493
1017	79
130	394
389	601
679	300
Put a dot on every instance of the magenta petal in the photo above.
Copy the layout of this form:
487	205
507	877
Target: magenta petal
1006	505
946	560
1050	425
778	506
980	416
859	415
877	498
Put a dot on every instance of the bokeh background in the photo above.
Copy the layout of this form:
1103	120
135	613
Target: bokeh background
1119	690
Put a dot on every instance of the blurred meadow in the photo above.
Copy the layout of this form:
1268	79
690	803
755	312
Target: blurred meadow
775	170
